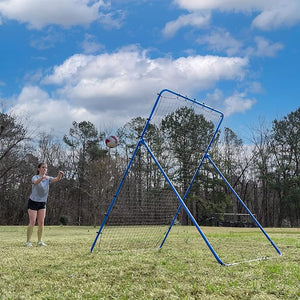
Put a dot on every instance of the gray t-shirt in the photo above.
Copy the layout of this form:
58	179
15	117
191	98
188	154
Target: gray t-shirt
40	191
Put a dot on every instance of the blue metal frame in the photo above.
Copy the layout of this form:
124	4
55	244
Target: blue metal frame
181	200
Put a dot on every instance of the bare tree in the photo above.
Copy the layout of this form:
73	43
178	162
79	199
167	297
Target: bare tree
13	159
83	140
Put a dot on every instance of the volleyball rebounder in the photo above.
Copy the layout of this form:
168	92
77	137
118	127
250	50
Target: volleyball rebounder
175	122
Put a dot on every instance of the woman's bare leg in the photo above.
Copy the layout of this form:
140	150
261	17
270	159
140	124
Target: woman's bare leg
40	220
32	219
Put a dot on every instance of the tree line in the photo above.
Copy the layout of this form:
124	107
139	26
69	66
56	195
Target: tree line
264	174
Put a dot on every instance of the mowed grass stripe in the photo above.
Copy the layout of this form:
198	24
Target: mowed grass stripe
183	269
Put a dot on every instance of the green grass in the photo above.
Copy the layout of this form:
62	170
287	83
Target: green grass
183	269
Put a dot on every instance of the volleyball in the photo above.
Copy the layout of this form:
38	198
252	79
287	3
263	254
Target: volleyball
111	141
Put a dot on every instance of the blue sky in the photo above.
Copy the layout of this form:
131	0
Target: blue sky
104	61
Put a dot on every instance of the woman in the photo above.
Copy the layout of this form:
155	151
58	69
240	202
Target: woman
37	202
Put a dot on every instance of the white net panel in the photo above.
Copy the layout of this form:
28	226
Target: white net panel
178	135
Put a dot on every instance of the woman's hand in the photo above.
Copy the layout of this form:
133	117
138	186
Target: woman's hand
60	175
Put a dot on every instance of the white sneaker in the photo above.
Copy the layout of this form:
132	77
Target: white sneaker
28	244
41	243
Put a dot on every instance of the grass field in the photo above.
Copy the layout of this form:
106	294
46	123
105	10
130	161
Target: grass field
183	269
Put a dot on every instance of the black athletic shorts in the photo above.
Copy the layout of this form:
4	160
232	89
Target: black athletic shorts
33	205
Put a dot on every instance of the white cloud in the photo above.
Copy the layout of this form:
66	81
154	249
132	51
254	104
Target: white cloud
47	40
112	19
237	103
215	98
116	87
69	69
40	13
222	5
42	112
255	87
272	13
45	114
194	19
264	48
221	40
90	44
279	14
122	79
